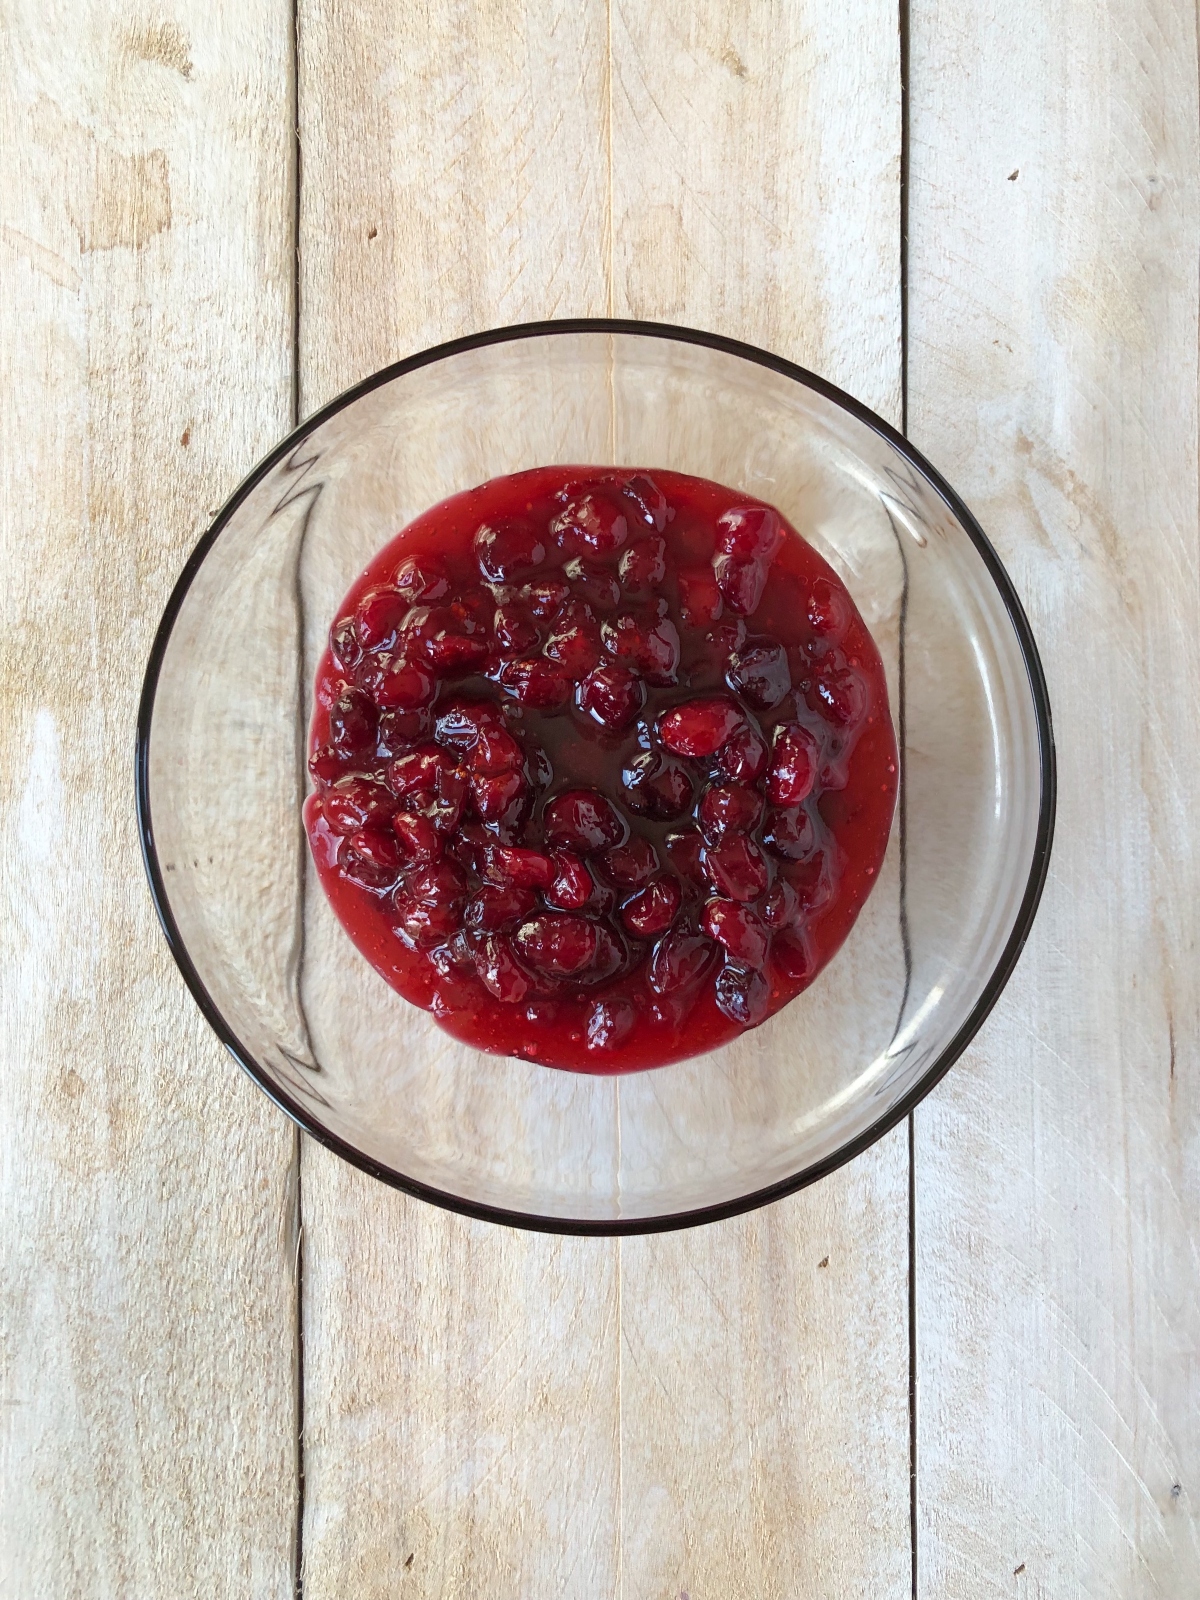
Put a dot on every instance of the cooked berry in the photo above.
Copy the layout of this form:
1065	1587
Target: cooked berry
531	869
355	802
572	887
749	533
497	906
592	522
612	696
556	944
537	683
701	727
582	820
631	864
743	995
728	808
793	769
790	833
603	765
378	618
610	1024
353	722
736	867
596	585
759	673
657	786
734	925
653	909
509	547
418	837
643	566
745	757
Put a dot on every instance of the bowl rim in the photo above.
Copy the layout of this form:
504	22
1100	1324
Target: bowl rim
992	988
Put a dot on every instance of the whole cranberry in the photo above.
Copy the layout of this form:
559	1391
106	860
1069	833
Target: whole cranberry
593	584
422	926
791	956
658	786
685	851
828	611
460	722
371	858
744	757
742	994
497	751
494	794
728	808
759	673
419	838
378	616
842	696
497	906
793	770
649	502
700	727
573	886
742	583
355	802
396	683
590	523
643	566
529	869
652	910
738	928
544	595
679	961
649	645
782	905
576	648
749	533
417	770
508	548
584	821
611	696
499	971
353	723
421	578
609	1024
790	833
556	944
437	883
344	645
538	683
632	864
736	868
514	631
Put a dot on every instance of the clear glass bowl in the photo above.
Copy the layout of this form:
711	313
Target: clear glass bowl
221	777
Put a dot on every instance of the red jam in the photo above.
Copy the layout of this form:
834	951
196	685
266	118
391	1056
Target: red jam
603	763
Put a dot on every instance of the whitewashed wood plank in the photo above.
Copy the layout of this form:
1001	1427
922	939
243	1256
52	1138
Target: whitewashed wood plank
461	1397
756	166
1055	206
148	1303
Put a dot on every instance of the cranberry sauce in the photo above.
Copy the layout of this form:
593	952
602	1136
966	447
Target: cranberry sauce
603	764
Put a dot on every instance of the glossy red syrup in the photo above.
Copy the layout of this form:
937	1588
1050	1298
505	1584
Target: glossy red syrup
603	765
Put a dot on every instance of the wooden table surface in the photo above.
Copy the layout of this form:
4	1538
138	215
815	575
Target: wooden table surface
968	1364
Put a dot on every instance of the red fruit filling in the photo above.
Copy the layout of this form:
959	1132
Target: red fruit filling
603	765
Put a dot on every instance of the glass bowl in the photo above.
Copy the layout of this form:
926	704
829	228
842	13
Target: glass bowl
221	776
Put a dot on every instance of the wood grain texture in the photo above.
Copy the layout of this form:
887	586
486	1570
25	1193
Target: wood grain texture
461	1393
148	1417
716	1412
1055	206
756	164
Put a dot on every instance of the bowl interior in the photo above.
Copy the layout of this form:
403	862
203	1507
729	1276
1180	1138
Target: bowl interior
224	777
